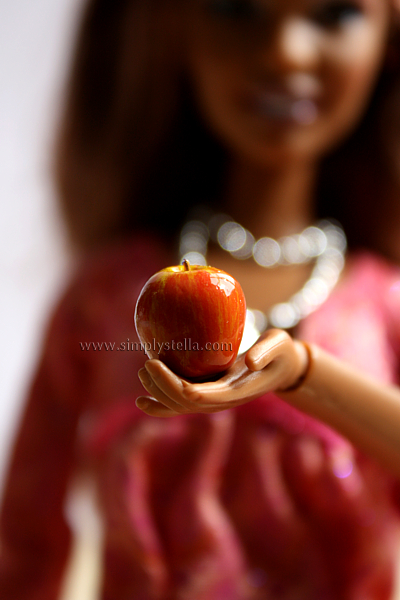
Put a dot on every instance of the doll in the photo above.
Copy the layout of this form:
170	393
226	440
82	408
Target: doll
280	479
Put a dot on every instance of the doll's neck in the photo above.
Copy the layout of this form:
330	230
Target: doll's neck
271	202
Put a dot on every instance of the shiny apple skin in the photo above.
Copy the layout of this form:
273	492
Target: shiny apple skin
194	307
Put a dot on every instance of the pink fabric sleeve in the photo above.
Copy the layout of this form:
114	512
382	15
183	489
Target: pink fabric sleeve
392	312
34	536
392	305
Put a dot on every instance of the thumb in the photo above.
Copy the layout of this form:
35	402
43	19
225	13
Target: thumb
272	344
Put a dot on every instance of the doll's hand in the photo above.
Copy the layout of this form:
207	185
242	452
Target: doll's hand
275	362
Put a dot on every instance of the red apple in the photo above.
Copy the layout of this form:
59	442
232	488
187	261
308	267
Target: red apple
192	318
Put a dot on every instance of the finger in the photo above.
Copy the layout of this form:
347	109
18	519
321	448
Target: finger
187	395
230	379
168	385
159	371
223	394
227	388
268	347
242	384
286	358
153	408
151	387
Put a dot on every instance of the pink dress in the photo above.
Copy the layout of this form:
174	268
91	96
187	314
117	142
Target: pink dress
255	503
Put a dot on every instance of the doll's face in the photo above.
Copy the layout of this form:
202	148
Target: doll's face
276	79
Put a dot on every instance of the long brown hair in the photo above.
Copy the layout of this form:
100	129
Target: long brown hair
132	153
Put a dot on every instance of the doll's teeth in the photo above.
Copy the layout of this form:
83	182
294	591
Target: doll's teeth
304	111
300	110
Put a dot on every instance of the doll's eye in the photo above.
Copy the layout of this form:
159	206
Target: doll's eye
336	14
232	9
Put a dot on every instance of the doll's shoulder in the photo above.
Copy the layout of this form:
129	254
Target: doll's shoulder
371	266
368	278
95	308
112	268
376	278
108	279
360	321
388	290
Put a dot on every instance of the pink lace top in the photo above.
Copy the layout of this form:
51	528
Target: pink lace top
258	502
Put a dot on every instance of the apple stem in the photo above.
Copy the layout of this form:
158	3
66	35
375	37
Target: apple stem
186	264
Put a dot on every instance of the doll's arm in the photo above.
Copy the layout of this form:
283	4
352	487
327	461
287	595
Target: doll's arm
359	407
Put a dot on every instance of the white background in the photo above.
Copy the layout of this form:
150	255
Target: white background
36	37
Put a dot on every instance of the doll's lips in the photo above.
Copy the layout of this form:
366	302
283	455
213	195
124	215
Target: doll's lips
294	100
286	107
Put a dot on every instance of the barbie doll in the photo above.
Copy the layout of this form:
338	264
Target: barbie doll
245	106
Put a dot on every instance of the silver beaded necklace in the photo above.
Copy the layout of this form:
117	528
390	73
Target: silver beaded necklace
324	244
